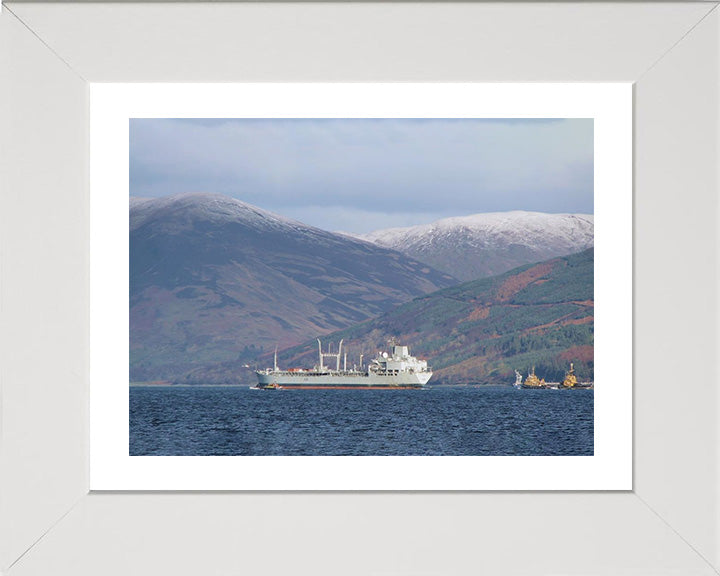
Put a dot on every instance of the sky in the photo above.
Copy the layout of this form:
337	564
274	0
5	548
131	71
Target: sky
358	175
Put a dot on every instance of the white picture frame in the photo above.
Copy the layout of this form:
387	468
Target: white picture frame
668	523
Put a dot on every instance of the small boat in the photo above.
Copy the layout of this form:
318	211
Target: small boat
518	380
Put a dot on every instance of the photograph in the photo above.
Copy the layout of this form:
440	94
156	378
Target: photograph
361	287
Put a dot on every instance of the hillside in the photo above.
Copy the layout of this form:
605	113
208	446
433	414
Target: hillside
483	245
215	281
481	331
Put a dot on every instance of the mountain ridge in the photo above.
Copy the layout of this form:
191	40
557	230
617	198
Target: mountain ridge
487	244
214	279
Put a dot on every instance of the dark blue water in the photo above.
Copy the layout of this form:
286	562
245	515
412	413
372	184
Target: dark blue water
215	421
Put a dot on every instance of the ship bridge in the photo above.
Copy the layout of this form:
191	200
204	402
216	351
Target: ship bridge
400	361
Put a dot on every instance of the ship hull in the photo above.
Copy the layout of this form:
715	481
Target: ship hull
346	387
343	381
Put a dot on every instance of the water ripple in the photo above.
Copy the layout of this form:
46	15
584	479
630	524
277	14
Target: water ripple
216	421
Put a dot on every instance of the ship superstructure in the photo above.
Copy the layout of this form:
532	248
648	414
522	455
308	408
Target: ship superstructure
397	369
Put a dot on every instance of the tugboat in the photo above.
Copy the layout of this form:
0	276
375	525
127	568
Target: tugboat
571	380
533	381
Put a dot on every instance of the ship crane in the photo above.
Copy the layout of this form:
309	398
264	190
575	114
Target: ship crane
330	355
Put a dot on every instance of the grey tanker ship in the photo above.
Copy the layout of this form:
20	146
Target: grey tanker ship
396	370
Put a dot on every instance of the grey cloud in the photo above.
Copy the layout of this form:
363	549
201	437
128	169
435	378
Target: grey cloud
398	170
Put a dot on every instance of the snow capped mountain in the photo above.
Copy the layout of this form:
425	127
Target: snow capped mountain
482	245
187	209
